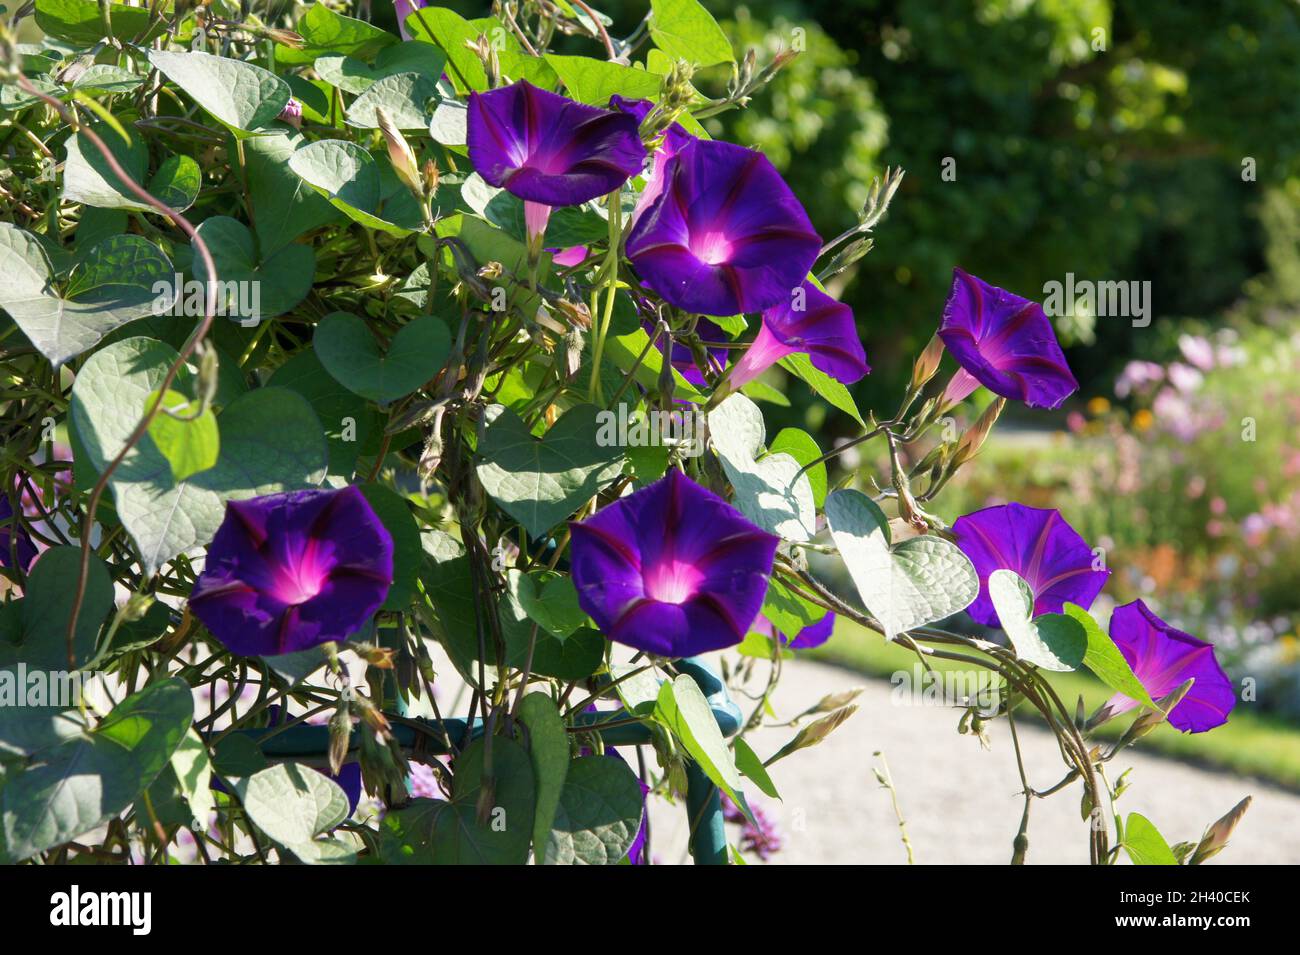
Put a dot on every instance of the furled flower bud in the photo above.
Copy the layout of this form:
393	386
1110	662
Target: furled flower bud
1216	837
400	154
431	177
927	363
1149	720
376	656
137	605
292	112
976	434
340	728
577	313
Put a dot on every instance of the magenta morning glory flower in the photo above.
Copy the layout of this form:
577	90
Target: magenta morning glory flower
823	329
813	635
14	539
672	569
1163	659
1004	342
290	571
548	150
1036	543
726	235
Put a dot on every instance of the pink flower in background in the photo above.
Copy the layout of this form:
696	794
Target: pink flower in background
1184	377
1197	350
1137	378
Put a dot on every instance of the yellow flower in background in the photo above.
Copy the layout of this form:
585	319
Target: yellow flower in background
1098	406
1290	647
1143	419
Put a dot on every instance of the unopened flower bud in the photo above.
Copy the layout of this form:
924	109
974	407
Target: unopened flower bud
379	657
292	113
576	313
372	717
1216	837
209	377
927	363
976	434
1149	720
400	154
284	37
137	605
430	174
574	345
340	729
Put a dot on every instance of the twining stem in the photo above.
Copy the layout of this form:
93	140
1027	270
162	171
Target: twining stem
611	290
887	781
199	333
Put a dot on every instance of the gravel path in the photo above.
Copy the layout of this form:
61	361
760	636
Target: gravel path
960	801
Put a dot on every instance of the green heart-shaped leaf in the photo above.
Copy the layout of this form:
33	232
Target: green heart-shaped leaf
267	287
38	631
295	806
240	95
1052	641
549	599
548	748
113	284
1104	658
450	833
686	31
354	76
1144	843
324	31
186	436
406	98
87	177
348	176
917	582
682	707
349	352
769	490
82	21
270	441
598	816
540	483
286	206
352	425
81	783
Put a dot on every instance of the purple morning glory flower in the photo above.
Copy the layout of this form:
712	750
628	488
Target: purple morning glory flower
14	539
1163	659
547	149
813	635
726	235
291	571
1037	544
672	569
1004	342
823	329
